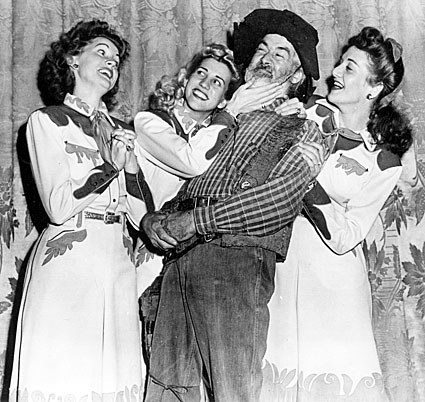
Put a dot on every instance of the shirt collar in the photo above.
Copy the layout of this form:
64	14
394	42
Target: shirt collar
273	105
77	104
336	116
183	117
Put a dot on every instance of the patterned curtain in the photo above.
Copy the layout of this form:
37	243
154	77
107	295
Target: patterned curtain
163	35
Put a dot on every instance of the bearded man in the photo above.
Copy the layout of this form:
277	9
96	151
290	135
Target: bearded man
226	228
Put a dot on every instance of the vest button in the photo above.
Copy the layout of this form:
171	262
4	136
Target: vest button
245	184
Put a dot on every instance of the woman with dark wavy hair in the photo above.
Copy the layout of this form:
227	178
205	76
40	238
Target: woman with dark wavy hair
320	338
78	334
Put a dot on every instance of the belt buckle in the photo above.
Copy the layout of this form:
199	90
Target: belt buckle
202	202
108	218
208	237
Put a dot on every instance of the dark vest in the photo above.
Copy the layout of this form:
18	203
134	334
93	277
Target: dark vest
277	142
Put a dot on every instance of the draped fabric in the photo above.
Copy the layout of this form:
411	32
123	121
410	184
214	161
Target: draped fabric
163	35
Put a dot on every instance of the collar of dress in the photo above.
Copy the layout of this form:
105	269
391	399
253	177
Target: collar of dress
77	104
364	134
188	124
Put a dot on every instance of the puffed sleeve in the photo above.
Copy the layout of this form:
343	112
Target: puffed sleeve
343	227
158	142
63	195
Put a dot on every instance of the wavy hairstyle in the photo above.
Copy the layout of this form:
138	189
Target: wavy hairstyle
389	127
55	79
171	89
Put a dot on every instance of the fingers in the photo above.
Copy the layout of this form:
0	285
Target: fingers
126	137
292	106
251	97
163	241
314	150
151	224
180	225
131	165
269	96
313	154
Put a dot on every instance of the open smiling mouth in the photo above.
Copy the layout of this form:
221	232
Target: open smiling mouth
106	73
337	85
200	95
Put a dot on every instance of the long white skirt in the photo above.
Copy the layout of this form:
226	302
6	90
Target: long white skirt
78	335
320	344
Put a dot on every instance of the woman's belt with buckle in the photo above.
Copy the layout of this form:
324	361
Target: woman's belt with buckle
108	217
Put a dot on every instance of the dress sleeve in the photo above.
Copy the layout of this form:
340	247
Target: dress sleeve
343	228
138	198
63	195
158	142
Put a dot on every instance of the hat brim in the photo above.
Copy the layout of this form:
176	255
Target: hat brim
249	33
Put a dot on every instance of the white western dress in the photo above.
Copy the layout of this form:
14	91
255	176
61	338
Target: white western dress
78	335
320	344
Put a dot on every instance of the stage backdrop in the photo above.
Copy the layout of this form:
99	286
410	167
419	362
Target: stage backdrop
163	35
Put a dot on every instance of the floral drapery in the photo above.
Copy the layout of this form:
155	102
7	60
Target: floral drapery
163	35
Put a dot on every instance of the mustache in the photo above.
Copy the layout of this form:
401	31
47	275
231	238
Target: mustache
263	70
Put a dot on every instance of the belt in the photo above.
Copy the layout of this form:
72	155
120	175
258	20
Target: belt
108	218
196	202
183	247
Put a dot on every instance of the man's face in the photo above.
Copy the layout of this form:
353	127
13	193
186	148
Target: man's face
274	60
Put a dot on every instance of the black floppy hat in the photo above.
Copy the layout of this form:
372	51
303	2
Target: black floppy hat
261	22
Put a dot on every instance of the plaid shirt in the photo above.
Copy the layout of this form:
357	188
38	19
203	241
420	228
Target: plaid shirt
263	209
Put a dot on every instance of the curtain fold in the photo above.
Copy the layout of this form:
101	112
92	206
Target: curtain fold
163	35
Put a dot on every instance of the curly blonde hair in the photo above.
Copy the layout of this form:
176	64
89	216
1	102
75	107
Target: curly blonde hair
169	90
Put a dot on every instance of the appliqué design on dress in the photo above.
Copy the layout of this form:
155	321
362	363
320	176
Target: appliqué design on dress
128	245
142	255
129	394
59	245
78	102
80	152
350	165
325	387
8	221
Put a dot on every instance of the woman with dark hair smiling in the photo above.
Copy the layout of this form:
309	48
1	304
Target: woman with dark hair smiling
78	332
320	338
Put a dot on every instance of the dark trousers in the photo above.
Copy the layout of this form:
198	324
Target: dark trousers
212	325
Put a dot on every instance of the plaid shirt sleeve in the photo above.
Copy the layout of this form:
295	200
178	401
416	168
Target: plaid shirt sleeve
260	210
264	209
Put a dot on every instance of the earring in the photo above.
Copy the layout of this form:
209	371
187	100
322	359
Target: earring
369	97
74	66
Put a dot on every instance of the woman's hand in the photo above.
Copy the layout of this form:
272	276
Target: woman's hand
131	165
291	106
249	97
121	149
314	154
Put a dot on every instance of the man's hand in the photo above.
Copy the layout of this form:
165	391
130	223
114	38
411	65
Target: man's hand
314	154
151	224
180	225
